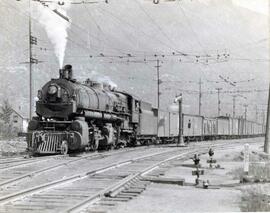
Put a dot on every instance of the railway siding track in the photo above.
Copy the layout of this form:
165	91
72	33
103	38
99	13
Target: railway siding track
106	185
13	164
11	175
16	180
81	186
129	187
31	174
132	186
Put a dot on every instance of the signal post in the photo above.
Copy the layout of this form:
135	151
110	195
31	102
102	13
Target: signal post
180	141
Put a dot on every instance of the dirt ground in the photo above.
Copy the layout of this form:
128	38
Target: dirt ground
225	193
13	147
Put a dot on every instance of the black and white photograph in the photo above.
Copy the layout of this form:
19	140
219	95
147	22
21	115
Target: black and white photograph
127	106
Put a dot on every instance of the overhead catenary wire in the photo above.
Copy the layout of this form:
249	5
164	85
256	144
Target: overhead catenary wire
136	55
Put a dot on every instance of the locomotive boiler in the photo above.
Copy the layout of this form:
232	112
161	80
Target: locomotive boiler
73	115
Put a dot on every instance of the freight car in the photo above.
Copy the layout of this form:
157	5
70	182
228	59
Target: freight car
197	128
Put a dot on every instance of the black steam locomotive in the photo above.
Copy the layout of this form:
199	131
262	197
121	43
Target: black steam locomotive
73	115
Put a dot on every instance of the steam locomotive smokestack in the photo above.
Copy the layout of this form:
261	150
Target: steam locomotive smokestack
66	72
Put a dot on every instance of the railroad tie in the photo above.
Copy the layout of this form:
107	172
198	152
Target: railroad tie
107	203
116	199
138	191
128	194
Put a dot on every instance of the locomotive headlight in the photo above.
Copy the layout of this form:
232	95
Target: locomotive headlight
52	89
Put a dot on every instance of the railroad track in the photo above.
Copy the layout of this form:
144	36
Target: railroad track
11	174
4	165
72	192
135	183
58	195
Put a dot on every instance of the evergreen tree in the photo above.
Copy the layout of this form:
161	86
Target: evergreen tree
5	112
6	129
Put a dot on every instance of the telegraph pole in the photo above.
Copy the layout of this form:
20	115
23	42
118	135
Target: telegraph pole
267	128
158	82
219	109
169	123
200	96
30	62
245	126
234	96
263	117
234	106
256	115
245	105
158	93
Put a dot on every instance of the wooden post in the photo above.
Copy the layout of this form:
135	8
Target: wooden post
267	128
180	141
246	158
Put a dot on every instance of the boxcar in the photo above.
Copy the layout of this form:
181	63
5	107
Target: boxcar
192	126
147	128
223	126
174	124
249	127
234	126
168	125
209	128
197	127
163	124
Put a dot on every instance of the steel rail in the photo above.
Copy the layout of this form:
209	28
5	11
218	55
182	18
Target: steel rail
25	162
119	185
31	174
21	164
70	179
73	178
5	160
38	159
113	190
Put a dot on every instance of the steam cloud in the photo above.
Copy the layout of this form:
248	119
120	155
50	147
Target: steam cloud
173	108
55	26
102	79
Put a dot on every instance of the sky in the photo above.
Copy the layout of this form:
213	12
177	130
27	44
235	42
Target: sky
260	6
139	27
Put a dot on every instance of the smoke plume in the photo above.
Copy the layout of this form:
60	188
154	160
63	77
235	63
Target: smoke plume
55	26
94	76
